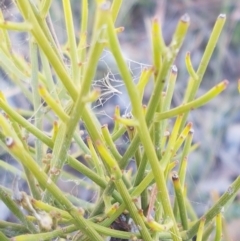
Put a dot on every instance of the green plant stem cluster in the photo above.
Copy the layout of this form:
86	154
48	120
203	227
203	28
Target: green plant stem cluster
68	92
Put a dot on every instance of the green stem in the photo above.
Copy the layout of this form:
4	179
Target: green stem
16	150
30	178
71	228
48	75
23	122
141	169
82	45
160	81
78	109
17	75
219	205
118	181
169	95
180	201
110	143
158	48
207	232
200	229
92	124
52	103
5	36
46	47
45	6
218	234
36	100
57	161
169	152
116	5
193	84
142	128
71	41
12	229
45	139
158	214
216	90
15	26
133	210
3	237
190	68
96	162
12	169
16	211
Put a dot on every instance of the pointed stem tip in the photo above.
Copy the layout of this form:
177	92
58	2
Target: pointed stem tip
226	82
185	18
175	176
222	15
174	69
105	6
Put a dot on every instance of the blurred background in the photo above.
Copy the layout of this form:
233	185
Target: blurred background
216	163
